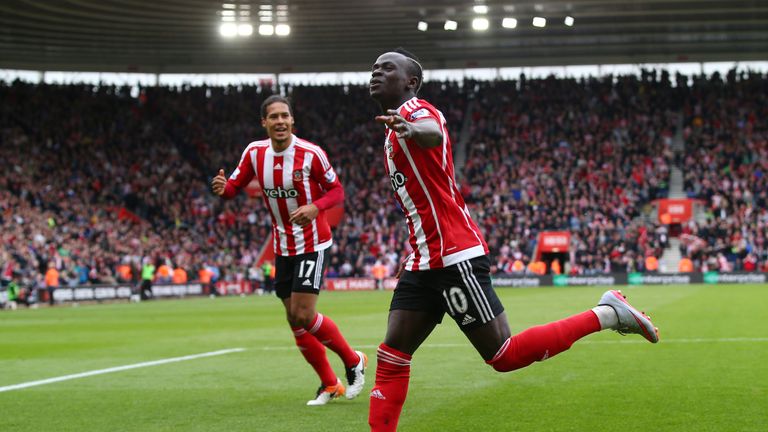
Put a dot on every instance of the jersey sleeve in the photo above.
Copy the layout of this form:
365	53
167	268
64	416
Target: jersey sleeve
241	176
323	173
424	112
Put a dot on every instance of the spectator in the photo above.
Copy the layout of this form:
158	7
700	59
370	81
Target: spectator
51	281
179	275
147	276
685	265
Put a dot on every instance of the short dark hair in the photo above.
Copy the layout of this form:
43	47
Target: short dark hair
274	99
414	67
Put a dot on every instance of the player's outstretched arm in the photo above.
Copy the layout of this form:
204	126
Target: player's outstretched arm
425	132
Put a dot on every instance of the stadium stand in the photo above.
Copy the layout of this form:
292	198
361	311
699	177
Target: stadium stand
98	181
726	165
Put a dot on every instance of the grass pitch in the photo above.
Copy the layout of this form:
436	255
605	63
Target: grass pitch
708	373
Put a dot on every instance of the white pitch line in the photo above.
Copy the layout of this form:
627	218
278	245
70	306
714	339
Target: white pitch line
118	369
585	342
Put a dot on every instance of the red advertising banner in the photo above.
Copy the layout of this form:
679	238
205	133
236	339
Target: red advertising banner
554	241
233	288
357	284
675	210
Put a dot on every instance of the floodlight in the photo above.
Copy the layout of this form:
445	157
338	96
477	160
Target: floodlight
509	23
480	24
266	29
282	29
244	29
228	30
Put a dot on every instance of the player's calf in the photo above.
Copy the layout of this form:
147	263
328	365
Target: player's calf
542	342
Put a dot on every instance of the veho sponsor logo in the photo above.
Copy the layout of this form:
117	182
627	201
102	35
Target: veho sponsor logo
398	180
279	192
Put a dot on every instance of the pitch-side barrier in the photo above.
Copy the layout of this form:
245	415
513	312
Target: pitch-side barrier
126	291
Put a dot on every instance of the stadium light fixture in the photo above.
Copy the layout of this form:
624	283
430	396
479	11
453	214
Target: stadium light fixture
450	25
539	22
227	6
266	29
480	9
422	26
282	29
228	30
480	24
509	23
569	21
244	30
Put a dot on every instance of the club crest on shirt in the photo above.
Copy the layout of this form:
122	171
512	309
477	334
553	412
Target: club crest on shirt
297	175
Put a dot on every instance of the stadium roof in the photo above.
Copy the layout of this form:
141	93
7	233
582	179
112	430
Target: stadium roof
182	36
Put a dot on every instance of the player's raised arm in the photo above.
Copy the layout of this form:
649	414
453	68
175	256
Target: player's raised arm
426	133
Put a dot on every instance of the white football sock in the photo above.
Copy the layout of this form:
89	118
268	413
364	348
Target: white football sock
607	316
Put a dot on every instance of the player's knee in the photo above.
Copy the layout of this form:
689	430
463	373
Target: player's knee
510	362
504	366
301	318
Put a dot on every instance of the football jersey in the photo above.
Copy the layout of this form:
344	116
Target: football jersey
289	179
442	232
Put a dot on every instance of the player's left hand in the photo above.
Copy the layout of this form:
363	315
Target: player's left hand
397	123
304	215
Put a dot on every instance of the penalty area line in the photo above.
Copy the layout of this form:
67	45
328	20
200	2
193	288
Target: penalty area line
119	369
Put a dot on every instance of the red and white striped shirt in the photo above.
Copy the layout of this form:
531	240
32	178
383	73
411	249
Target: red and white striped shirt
442	232
296	176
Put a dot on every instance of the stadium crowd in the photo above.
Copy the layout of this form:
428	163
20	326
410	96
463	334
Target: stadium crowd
583	156
725	166
101	183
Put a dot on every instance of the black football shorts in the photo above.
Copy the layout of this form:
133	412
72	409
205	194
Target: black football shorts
463	290
301	273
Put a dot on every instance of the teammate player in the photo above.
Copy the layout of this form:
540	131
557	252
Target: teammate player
299	184
448	270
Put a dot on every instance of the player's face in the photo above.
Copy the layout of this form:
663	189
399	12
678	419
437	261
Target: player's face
278	122
389	77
